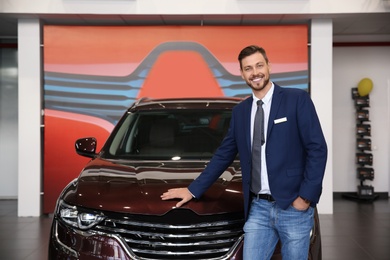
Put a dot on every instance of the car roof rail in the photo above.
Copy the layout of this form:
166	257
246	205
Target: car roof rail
139	101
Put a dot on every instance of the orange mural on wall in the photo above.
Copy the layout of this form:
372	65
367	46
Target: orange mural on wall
93	73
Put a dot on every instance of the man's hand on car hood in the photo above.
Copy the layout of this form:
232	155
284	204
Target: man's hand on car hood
180	193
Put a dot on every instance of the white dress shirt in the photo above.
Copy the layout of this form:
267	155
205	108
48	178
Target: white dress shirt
267	100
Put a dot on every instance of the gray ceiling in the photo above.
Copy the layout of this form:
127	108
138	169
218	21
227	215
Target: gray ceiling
373	27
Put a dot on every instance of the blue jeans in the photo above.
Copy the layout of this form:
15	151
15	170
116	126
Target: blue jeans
267	223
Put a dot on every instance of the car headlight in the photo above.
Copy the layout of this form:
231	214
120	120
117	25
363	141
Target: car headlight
77	218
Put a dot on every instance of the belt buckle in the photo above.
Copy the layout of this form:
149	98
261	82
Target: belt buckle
256	195
266	197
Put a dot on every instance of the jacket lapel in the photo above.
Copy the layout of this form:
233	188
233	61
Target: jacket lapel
247	121
276	100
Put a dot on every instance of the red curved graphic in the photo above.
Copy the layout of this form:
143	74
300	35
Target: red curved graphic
61	163
185	67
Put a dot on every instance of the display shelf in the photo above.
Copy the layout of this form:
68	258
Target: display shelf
363	158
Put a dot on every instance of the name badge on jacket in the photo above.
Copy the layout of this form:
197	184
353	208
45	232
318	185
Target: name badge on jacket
280	120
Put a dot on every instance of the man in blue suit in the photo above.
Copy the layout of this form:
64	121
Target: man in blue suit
293	156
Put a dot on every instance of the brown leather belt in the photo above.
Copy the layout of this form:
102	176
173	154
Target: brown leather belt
263	197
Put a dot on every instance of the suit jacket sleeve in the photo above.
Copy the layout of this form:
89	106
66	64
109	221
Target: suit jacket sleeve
222	159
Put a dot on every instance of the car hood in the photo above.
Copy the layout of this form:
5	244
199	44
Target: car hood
134	187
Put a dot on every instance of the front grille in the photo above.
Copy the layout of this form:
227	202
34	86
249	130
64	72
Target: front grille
180	234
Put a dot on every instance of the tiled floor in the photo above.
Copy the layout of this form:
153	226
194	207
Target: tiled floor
356	231
22	238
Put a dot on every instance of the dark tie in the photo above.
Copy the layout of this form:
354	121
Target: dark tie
258	141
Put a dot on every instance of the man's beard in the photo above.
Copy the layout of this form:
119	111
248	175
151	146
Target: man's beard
257	87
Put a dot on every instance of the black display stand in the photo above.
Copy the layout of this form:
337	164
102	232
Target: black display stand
364	158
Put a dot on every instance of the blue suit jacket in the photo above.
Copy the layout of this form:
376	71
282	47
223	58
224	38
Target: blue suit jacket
296	150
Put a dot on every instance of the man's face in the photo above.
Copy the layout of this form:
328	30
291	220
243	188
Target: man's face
255	71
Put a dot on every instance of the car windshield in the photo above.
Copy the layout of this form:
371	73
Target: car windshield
169	135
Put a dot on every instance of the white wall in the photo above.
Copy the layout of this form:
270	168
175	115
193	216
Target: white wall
350	65
321	94
30	102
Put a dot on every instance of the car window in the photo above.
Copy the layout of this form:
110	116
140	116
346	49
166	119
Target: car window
169	135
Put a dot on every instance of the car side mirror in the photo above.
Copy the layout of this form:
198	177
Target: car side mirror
86	147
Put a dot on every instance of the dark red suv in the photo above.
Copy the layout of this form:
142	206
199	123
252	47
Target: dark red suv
113	210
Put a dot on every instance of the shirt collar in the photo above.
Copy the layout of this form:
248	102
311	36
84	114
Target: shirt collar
267	98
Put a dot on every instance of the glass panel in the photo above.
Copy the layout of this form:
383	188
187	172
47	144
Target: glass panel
170	135
8	122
